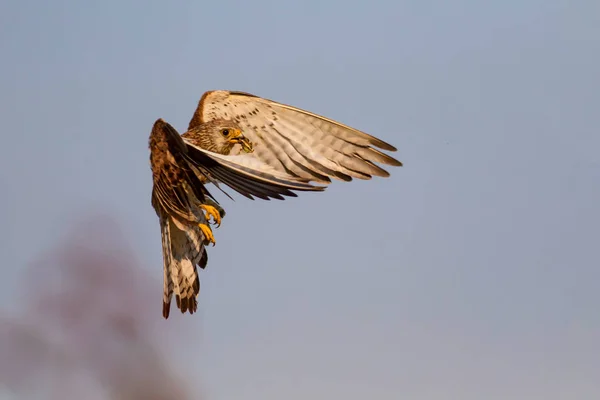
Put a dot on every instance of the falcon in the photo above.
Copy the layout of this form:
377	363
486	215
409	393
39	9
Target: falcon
184	206
259	148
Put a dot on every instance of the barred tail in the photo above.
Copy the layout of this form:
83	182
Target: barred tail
183	249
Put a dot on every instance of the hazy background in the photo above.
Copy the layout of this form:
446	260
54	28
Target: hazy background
471	273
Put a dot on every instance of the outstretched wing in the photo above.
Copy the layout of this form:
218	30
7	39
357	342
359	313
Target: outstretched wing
297	142
248	176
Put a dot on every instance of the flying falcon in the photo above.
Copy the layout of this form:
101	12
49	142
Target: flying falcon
184	206
257	147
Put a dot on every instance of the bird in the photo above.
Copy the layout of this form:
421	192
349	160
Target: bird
259	148
184	206
177	198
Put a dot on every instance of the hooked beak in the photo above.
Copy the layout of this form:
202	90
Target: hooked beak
246	144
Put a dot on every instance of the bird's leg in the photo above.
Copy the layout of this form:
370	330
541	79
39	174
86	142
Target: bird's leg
216	205
207	232
211	212
211	208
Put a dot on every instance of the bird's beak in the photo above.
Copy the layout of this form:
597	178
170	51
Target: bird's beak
246	144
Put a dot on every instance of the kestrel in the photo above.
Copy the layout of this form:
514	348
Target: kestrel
259	148
184	206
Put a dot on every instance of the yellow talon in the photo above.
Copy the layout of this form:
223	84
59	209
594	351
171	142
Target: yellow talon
211	211
208	235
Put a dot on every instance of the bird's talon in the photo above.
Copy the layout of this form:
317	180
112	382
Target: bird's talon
211	211
207	232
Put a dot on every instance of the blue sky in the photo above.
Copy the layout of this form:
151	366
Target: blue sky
472	272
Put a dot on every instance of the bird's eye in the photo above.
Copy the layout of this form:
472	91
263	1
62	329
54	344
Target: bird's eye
225	132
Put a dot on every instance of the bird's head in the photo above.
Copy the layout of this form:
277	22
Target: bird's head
224	135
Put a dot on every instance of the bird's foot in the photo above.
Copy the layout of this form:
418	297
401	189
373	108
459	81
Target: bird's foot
211	211
208	235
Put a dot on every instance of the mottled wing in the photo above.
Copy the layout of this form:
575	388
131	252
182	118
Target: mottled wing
176	195
297	142
246	175
177	173
176	187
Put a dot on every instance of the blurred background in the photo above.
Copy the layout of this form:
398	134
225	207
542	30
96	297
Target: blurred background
472	272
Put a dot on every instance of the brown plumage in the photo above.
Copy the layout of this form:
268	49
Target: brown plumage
179	198
259	148
176	196
219	136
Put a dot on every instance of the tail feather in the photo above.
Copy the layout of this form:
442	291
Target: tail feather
183	249
167	267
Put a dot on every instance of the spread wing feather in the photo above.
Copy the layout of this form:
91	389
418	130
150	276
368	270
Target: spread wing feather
296	142
176	186
246	175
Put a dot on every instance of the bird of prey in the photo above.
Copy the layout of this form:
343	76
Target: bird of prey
259	148
184	206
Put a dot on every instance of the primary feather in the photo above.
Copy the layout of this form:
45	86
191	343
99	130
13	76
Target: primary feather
284	149
293	141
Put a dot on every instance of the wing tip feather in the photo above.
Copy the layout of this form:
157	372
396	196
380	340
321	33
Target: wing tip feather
384	145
